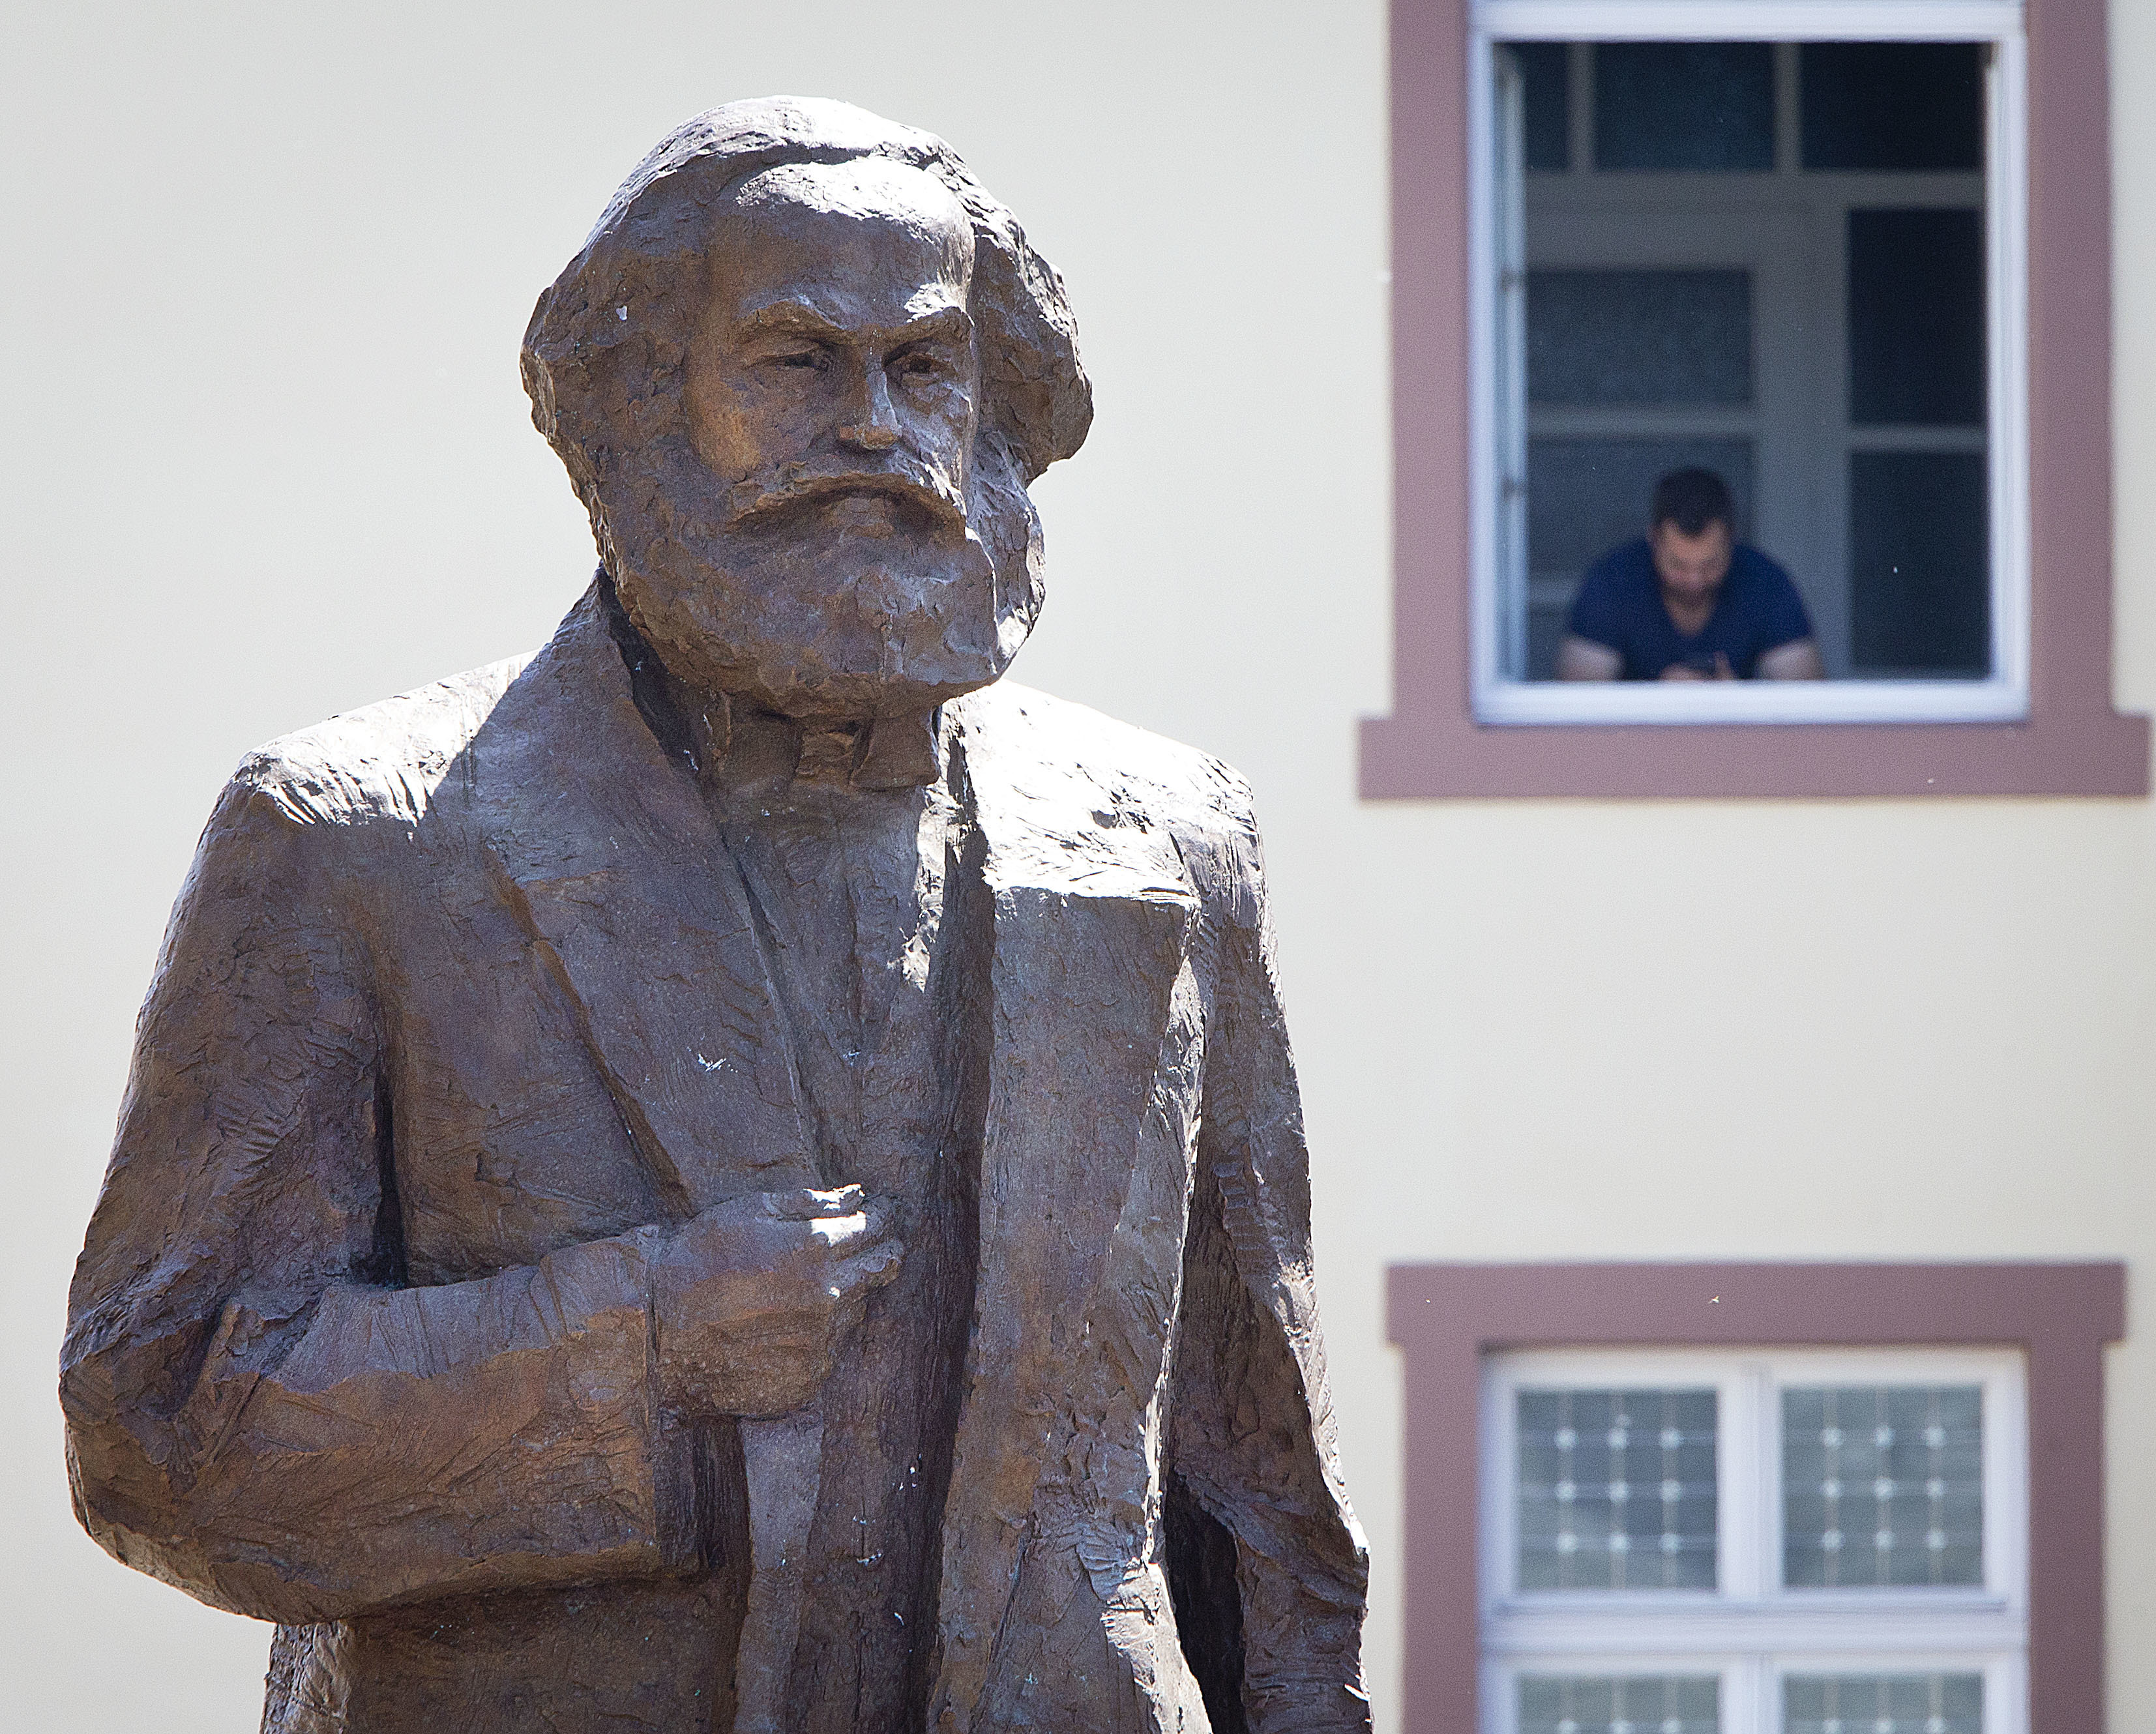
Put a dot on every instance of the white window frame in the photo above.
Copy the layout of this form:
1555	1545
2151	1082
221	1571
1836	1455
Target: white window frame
1750	1631
2004	695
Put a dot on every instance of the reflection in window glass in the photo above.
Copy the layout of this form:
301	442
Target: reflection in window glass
1699	105
1602	337
1892	104
1546	73
1639	1704
1881	1704
1882	1485
1916	318
1617	1489
1916	530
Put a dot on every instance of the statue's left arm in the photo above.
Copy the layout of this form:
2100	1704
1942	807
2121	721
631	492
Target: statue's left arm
1251	1441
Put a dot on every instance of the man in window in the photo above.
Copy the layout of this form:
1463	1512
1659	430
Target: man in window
1688	601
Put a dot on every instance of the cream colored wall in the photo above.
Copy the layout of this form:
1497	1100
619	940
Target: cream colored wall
267	458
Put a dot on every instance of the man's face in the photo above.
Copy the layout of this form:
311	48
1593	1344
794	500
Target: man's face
825	546
1690	567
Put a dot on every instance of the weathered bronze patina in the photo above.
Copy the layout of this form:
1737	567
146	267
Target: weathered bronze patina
739	1172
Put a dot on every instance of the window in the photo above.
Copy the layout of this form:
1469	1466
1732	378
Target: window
1852	255
1798	265
1753	1543
1753	1497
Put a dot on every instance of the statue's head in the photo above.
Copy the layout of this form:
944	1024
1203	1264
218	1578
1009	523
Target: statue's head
802	375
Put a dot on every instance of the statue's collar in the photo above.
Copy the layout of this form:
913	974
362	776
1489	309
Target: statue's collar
760	754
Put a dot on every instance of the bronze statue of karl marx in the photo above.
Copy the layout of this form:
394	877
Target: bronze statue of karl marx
740	1172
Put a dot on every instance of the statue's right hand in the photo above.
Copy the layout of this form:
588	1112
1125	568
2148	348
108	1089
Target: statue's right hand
752	1296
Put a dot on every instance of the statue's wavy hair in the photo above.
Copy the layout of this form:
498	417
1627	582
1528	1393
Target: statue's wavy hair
606	344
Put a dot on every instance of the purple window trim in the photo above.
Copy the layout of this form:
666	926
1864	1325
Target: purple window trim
1445	1317
2072	743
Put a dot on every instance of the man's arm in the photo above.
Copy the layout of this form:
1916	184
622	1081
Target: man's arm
254	1412
1251	1443
1579	658
1799	660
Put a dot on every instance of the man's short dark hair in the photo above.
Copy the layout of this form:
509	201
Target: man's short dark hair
1691	500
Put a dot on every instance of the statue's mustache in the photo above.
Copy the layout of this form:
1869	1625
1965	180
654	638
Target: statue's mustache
765	499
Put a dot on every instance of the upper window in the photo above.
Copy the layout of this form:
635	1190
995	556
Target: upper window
1749	354
1786	1542
1846	262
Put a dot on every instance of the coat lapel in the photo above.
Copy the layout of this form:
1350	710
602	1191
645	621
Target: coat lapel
610	858
1091	1006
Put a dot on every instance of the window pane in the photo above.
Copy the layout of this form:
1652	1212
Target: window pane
1644	1704
1584	496
1916	318
1546	616
1617	1489
1883	1704
1598	337
1546	73
1919	563
1882	1485
1892	104
1684	105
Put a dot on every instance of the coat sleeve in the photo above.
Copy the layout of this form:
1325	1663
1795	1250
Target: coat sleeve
257	1412
1251	1441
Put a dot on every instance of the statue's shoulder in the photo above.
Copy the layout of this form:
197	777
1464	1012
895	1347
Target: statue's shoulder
1113	773
383	760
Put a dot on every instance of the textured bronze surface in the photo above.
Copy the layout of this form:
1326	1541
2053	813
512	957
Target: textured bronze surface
739	1172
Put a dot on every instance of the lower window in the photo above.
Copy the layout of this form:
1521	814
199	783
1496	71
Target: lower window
1858	1701
1784	1542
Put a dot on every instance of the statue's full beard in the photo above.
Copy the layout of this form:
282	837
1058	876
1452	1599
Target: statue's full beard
844	596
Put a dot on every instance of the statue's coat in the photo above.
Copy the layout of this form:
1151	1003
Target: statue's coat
461	1005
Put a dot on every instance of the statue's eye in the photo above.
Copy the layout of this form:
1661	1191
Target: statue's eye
918	364
809	357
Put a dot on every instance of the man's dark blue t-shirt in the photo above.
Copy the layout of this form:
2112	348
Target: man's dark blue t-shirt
1620	606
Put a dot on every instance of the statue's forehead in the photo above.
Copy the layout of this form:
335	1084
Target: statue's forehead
865	231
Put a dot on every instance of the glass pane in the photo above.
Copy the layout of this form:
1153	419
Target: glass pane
1615	1704
1883	1704
1617	1489
1546	616
1585	496
1892	104
1920	563
1916	318
1599	337
1684	105
1546	70
1882	1485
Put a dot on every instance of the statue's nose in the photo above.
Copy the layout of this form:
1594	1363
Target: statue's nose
874	426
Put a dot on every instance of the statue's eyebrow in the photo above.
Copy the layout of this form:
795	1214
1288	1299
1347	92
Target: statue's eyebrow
952	324
798	319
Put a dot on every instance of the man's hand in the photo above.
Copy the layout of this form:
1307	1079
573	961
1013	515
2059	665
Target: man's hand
1579	658
1797	660
1687	671
751	1297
